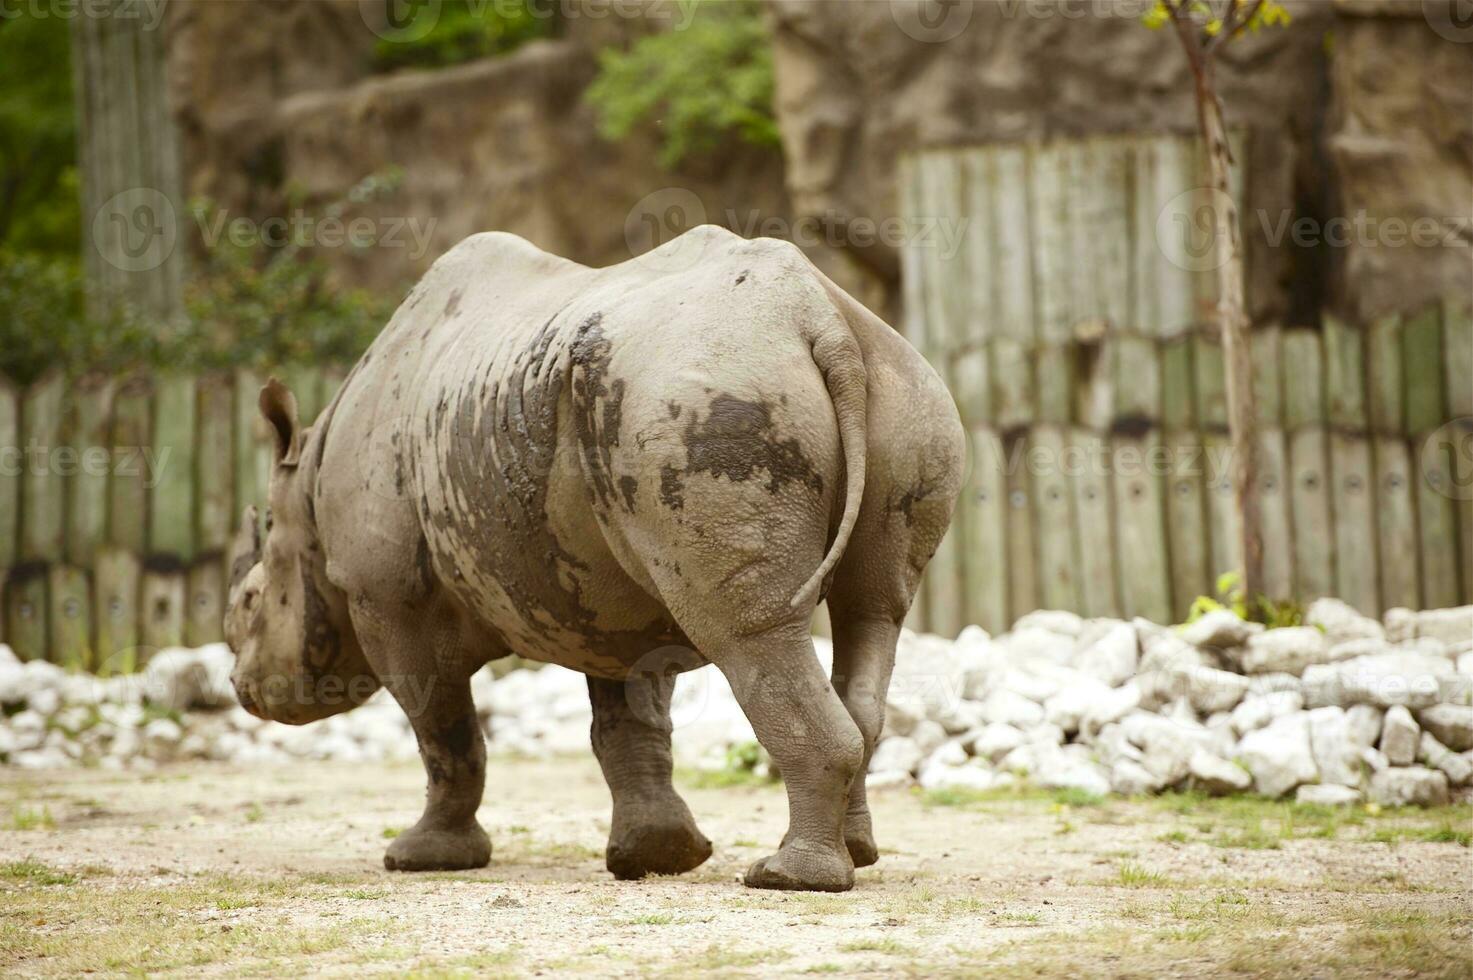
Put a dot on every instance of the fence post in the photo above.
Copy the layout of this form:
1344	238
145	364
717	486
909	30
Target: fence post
9	486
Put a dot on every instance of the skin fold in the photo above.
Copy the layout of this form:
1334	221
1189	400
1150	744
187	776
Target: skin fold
631	472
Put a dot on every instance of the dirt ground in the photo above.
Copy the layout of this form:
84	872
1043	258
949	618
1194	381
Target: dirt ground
203	869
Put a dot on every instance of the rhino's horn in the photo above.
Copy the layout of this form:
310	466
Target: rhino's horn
245	552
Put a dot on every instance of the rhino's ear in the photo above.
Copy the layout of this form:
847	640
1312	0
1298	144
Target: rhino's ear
279	408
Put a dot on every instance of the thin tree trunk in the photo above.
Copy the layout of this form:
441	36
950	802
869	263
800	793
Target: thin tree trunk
1233	318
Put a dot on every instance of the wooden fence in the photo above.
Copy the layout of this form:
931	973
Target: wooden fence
118	500
1082	356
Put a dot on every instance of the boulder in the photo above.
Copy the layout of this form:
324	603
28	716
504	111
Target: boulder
1111	658
929	678
1075	774
1289	650
1219	629
1279	756
1009	708
1217	776
1453	627
1110	707
1458	767
184	680
995	741
1399	736
1071	705
948	754
928	735
974	777
1409	786
1335	753
1451	724
1257	710
1411	679
1400	623
896	753
1129	778
1364	724
1059	621
1327	794
1340	621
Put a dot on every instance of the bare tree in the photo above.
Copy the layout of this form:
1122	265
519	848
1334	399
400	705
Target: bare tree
1204	27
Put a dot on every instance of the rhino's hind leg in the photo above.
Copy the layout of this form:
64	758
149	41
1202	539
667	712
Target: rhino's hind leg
653	831
864	655
800	720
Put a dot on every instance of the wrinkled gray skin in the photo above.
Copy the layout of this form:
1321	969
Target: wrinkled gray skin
610	469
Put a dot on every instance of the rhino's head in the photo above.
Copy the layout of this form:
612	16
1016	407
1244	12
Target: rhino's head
297	658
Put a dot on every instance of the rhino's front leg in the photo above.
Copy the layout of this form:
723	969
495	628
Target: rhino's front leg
653	831
423	664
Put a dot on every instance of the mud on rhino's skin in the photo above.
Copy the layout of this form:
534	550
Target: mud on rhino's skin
592	467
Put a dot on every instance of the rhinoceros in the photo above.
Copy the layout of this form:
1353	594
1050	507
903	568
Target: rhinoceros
629	471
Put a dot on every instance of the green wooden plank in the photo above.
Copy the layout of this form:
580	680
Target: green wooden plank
1211	380
984	498
1094	525
1385	399
1423	381
252	444
1457	320
206	592
1015	290
1137	381
1314	539
1345	376
43	493
1267	379
214	465
1053	258
972	387
1274	506
948	294
1094	383
161	607
11	466
1107	168
1012	384
25	611
1396	524
70	617
1353	504
979	244
1304	383
134	460
912	275
1224	535
1437	521
1022	567
1056	383
1173	229
115	610
1178	384
1053	519
89	414
1460	435
1186	515
1144	572
171	500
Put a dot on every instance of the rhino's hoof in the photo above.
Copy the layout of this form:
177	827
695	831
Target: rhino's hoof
656	849
796	868
439	850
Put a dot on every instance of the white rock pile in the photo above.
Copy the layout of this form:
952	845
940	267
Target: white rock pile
1342	709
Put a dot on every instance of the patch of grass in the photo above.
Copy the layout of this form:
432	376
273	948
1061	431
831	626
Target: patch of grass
651	919
825	968
1129	874
1074	796
820	904
33	872
1173	837
364	894
254	813
891	946
744	842
720	778
716	957
232	902
389	833
1021	918
1446	833
24	818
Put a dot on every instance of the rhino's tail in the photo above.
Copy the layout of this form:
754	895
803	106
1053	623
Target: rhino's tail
839	359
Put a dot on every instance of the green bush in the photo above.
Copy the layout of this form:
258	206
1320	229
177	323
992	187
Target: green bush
464	32
702	85
39	209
